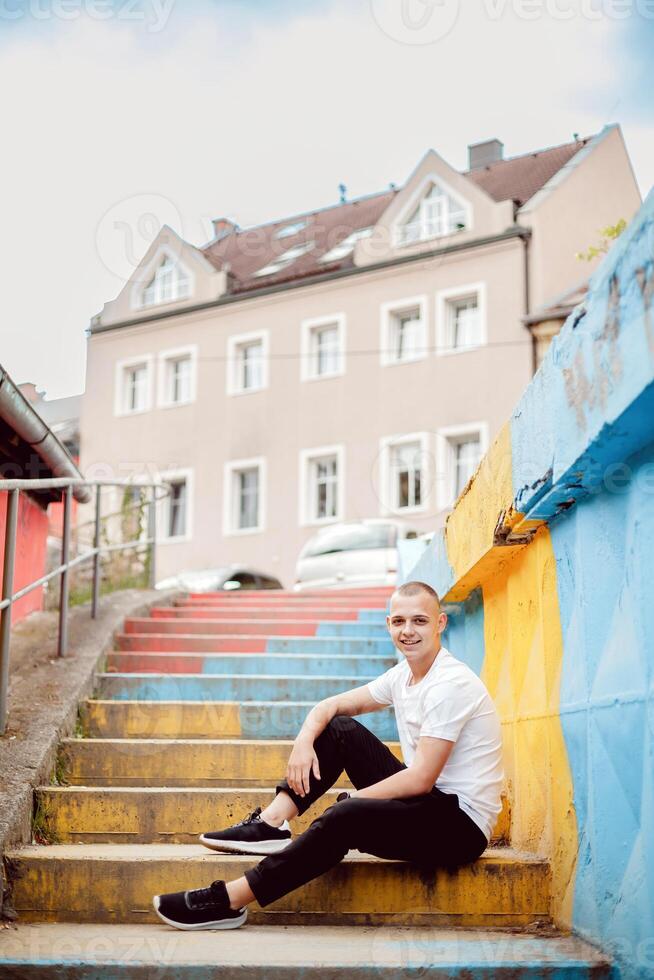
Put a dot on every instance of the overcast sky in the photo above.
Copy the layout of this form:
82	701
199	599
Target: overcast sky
119	115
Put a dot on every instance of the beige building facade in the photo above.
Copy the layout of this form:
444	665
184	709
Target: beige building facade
347	363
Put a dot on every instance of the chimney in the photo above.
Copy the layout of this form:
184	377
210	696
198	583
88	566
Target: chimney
482	154
223	227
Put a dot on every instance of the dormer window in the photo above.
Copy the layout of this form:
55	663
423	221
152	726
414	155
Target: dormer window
437	214
170	282
345	247
285	259
289	230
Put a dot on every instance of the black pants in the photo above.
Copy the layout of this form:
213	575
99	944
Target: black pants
429	830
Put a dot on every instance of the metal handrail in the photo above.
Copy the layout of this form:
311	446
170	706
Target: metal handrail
13	489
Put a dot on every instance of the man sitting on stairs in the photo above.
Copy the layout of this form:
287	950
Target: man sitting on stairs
437	808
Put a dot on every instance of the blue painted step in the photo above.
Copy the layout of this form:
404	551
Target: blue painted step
253	664
285	719
207	687
371	631
339	646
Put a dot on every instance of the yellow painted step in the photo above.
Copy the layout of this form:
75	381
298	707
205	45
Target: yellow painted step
187	762
115	883
161	719
92	815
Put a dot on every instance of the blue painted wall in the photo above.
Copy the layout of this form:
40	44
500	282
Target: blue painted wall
605	567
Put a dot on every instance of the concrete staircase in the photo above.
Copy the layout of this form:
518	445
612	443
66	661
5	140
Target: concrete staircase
190	729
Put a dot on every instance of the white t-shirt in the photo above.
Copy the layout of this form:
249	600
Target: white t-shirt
450	702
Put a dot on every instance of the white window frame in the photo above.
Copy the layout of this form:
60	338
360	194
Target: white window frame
163	506
233	344
416	199
122	366
232	467
307	328
189	351
446	440
388	504
138	291
307	516
444	300
388	313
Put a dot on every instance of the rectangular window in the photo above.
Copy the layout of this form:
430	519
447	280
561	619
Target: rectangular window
244	503
133	386
247	363
325	489
136	382
176	510
465	321
177	376
461	319
325	350
322	347
247	493
406	475
179	379
321	484
404	331
250	366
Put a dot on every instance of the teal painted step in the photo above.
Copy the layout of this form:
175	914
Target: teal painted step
146	952
372	616
371	631
296	664
207	687
285	719
339	646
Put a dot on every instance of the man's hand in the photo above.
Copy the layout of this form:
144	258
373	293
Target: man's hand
302	761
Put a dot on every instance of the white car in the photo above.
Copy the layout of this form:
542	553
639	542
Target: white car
354	554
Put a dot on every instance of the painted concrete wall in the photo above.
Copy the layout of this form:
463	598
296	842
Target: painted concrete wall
31	539
547	557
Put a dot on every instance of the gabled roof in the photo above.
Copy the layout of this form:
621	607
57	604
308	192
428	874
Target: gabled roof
518	178
244	252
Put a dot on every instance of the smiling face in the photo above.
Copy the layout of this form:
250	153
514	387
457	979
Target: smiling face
415	623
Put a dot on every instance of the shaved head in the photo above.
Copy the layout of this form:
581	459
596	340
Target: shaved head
415	588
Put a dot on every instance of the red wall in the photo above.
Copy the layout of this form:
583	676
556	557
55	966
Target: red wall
31	539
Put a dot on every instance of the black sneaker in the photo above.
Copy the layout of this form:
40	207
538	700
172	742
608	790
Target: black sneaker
251	836
200	908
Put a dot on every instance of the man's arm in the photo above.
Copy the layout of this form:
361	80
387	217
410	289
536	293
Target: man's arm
431	755
303	758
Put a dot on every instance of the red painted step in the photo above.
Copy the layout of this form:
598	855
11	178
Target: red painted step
163	642
237	595
232	627
263	603
155	663
253	613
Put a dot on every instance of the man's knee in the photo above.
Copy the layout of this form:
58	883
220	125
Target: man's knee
339	816
341	725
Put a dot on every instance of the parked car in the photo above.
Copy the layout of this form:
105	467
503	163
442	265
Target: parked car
228	578
356	553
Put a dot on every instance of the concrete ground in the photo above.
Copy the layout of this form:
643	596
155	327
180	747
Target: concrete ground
158	951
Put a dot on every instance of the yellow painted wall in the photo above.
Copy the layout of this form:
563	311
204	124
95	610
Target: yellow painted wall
522	670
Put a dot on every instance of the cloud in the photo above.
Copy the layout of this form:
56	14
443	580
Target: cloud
224	112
